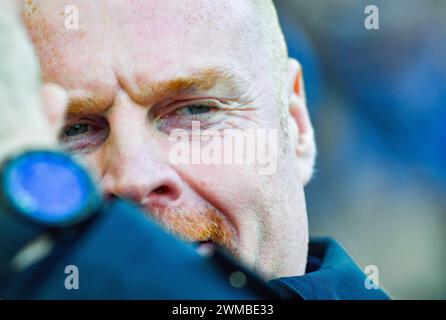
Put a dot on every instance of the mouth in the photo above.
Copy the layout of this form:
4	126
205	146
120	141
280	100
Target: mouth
205	228
205	248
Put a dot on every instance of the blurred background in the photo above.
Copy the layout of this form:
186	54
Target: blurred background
378	104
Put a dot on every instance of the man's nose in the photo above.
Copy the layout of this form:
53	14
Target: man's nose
143	183
135	167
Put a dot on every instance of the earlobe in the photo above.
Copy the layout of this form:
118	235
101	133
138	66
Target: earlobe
305	146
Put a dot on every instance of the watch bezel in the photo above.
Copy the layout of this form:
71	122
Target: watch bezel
77	215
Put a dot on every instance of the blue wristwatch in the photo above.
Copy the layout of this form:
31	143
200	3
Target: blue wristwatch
40	192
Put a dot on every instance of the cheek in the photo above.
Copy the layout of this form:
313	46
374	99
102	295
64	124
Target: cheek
94	163
228	183
233	189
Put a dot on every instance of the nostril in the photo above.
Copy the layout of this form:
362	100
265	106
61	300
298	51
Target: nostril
166	191
161	190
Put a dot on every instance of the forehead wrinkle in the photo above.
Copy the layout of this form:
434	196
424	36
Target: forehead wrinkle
198	80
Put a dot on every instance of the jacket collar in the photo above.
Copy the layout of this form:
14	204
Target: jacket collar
331	274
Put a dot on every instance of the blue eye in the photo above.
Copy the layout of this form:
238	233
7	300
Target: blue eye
76	129
198	109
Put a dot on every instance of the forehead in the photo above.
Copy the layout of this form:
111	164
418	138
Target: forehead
132	41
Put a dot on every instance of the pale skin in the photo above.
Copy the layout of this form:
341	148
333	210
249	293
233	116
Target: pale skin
135	70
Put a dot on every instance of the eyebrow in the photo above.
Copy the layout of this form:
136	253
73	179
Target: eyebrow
84	104
196	80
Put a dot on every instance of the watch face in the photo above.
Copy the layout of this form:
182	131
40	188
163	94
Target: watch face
49	188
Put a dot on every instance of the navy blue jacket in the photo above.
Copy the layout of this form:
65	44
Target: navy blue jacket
123	255
331	274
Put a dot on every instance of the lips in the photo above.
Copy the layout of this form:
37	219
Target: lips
205	248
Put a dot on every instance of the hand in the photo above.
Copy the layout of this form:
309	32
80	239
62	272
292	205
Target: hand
30	112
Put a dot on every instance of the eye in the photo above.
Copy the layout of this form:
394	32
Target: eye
82	135
183	113
77	129
193	109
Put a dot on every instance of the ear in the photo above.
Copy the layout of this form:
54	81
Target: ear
54	104
299	123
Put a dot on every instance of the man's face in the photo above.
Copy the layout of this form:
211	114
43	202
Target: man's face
137	70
